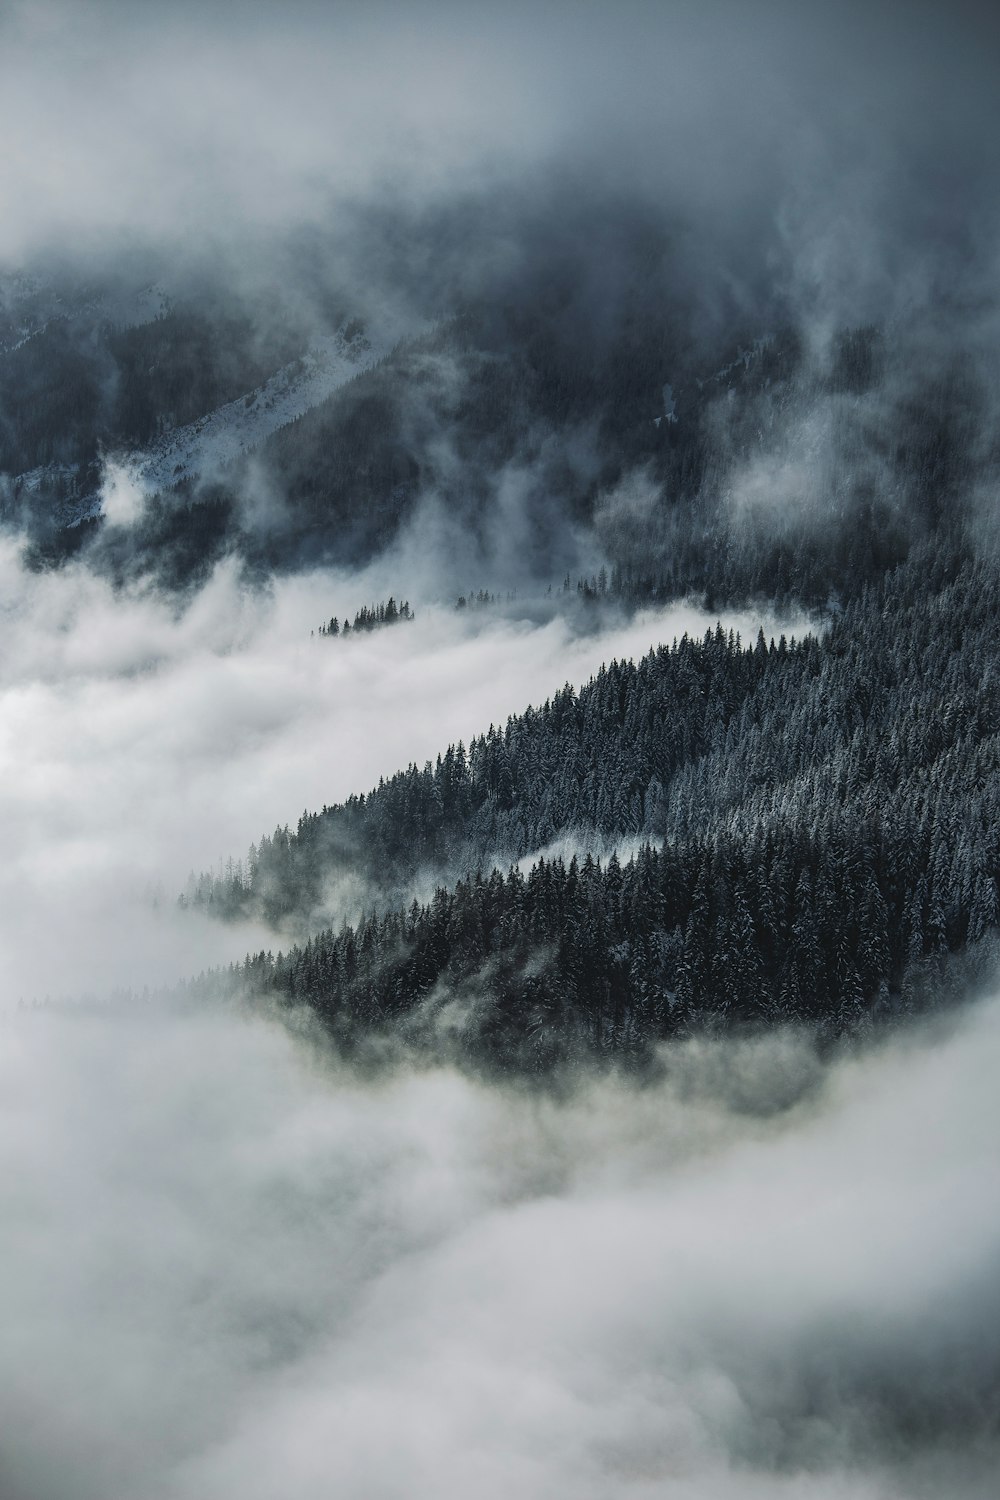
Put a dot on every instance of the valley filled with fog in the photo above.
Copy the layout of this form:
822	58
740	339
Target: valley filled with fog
146	739
499	751
233	1268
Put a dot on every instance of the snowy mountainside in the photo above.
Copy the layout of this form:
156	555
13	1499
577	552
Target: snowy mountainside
210	444
30	305
221	436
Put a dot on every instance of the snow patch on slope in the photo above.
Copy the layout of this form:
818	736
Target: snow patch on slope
28	307
216	440
33	480
66	486
744	359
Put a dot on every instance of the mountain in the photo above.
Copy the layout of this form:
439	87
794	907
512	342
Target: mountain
533	469
808	830
152	435
552	427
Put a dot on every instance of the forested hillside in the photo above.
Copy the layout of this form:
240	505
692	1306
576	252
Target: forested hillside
644	439
814	816
735	461
817	822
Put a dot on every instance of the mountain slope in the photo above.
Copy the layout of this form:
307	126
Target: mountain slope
821	823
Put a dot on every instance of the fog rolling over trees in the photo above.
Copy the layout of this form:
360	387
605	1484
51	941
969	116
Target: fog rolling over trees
548	1047
688	202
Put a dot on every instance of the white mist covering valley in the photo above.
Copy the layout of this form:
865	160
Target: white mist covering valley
232	1268
141	740
710	303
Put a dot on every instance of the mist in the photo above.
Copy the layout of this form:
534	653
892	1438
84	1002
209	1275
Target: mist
231	1268
697	174
839	149
230	1265
144	740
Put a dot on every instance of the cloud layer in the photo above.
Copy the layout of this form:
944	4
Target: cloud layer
143	740
229	1270
844	150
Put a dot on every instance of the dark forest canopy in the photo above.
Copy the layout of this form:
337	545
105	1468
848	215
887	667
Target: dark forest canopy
700	502
806	827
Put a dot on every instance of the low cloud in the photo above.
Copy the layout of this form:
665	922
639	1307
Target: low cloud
145	739
122	497
843	154
230	1269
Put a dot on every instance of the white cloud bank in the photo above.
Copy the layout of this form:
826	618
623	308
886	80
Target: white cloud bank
139	742
226	1271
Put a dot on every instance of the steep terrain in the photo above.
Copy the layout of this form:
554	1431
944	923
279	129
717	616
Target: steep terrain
815	825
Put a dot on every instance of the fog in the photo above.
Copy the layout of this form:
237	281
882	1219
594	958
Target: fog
145	739
231	1270
229	1266
841	150
718	172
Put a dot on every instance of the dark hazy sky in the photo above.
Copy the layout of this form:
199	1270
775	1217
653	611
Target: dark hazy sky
832	125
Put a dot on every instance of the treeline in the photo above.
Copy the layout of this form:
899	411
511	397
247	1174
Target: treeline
597	760
528	972
819	821
370	617
483	599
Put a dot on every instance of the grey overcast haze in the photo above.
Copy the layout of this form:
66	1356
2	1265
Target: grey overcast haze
640	322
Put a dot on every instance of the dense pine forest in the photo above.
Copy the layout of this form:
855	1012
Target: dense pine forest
725	831
800	830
